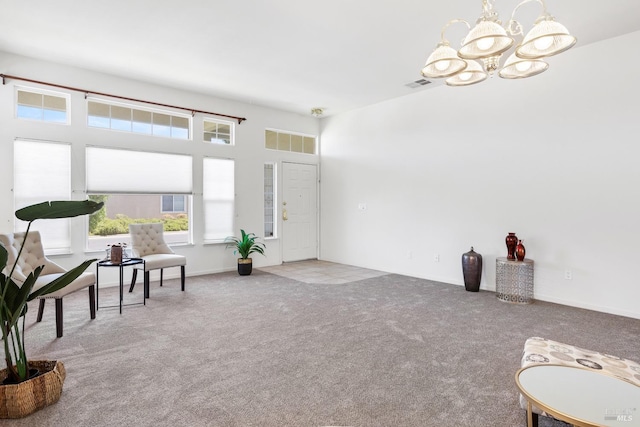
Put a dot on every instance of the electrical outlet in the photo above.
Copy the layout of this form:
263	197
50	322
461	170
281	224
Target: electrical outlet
362	206
568	275
436	258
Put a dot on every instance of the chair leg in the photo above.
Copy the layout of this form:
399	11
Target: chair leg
59	317
161	270
182	277
41	310
146	284
134	277
92	301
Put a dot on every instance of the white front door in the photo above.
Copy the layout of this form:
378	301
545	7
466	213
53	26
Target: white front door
299	212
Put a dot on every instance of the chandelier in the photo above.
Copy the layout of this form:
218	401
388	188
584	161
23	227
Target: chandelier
489	40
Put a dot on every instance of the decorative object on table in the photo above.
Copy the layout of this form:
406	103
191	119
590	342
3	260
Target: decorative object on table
23	390
512	243
472	270
245	246
115	254
520	251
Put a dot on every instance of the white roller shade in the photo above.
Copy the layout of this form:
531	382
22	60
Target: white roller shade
218	198
112	171
42	172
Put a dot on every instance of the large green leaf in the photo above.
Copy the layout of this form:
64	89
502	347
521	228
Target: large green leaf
3	257
61	281
15	296
58	209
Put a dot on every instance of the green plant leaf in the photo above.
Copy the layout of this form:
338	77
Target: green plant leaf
58	209
4	255
246	244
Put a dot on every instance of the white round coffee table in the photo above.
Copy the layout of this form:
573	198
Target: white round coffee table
581	396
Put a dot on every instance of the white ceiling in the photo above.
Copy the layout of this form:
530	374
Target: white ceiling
288	54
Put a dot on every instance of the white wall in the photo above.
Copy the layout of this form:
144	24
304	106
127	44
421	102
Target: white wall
249	153
553	158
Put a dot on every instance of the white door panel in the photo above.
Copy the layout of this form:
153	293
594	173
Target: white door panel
299	212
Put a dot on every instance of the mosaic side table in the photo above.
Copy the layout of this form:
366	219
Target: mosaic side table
514	280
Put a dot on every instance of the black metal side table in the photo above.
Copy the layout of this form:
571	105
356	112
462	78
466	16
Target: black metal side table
125	263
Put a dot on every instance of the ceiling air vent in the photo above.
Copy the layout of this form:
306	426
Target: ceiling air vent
418	83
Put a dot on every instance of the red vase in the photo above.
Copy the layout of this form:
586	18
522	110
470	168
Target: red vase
520	251
512	242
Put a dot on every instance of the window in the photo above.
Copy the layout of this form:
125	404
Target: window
127	118
42	172
42	105
269	199
218	198
283	141
218	132
133	185
173	203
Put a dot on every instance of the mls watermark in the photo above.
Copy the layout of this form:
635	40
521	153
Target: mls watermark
620	414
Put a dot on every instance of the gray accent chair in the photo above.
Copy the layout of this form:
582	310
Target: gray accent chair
32	257
147	242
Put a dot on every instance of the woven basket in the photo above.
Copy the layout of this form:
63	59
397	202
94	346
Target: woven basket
27	397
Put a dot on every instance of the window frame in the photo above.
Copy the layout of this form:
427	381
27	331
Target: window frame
173	203
207	217
43	92
272	210
284	141
140	109
61	233
229	123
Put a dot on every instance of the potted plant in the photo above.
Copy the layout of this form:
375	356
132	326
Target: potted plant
245	246
23	390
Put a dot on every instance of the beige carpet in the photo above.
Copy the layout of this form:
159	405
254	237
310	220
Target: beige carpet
267	350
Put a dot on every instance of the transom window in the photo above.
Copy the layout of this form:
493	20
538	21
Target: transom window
42	105
127	118
284	141
218	131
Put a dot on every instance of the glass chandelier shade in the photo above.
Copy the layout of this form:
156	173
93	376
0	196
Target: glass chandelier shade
486	39
443	62
519	68
472	74
546	38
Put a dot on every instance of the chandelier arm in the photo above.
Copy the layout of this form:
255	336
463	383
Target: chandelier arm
514	27
451	22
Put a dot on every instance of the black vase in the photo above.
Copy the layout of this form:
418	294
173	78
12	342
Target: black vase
472	270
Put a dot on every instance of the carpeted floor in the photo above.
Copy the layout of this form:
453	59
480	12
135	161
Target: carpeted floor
267	350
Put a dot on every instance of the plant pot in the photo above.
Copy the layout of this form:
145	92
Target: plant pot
245	266
27	397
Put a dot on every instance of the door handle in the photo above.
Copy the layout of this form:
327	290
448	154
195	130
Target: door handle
285	217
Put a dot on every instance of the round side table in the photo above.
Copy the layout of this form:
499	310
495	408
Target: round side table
514	280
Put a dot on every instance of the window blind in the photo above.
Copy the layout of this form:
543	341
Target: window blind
218	198
42	172
114	171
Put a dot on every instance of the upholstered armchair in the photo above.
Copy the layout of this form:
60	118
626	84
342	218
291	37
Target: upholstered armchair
147	242
32	257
